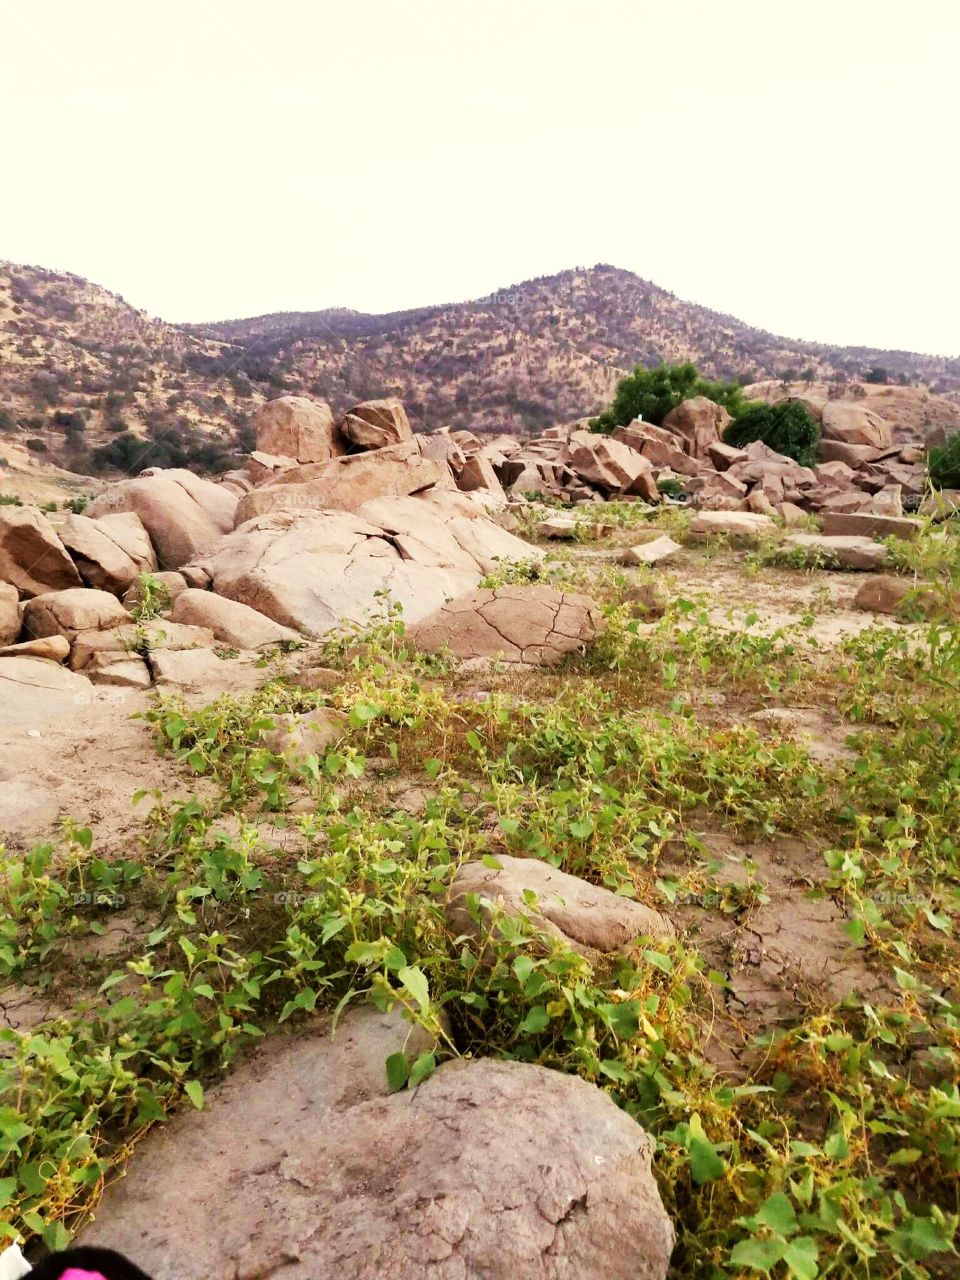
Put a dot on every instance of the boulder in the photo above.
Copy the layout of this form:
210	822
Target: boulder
298	428
309	733
562	527
645	602
740	525
32	557
66	613
110	552
903	596
170	580
230	621
611	466
200	676
376	423
137	638
591	920
118	670
699	423
9	613
529	624
477	473
264	467
495	1169
791	514
183	514
345	484
662	548
852	424
53	648
311	571
866	524
854	455
662	456
839	552
724	455
34	689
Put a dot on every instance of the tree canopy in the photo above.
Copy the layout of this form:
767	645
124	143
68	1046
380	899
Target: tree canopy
650	394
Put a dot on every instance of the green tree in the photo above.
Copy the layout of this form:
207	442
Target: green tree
943	463
786	428
650	394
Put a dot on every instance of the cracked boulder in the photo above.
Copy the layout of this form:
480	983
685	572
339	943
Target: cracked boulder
67	613
590	919
489	1169
528	624
297	428
110	552
376	423
32	557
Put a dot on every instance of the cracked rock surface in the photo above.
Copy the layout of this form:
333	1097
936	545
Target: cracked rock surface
529	624
301	1167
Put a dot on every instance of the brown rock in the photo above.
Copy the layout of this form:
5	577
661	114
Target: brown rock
138	638
310	733
477	473
529	624
376	423
345	484
739	525
295	427
941	504
724	455
903	596
33	690
589	919
32	557
851	424
791	514
839	552
261	468
9	613
183	514
65	613
867	525
170	581
611	466
53	648
110	552
661	455
230	621
662	548
645	601
699	422
854	455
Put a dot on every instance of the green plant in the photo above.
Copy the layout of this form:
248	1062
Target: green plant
943	463
787	428
153	596
650	394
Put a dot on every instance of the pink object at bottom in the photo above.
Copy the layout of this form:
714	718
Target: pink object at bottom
74	1273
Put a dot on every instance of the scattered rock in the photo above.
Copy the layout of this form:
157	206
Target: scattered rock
904	597
201	676
26	807
746	526
230	621
839	552
612	466
850	424
9	613
645	601
298	428
183	514
120	670
32	557
866	524
54	648
477	473
111	552
558	527
699	423
376	424
662	548
529	624
138	638
310	733
591	920
66	613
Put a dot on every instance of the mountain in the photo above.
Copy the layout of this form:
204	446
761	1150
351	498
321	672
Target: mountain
88	381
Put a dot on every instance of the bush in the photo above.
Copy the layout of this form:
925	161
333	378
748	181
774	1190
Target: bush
650	394
943	463
786	428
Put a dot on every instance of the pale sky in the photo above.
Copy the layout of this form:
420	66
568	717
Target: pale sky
793	164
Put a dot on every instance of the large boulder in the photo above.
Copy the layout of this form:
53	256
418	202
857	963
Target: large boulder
495	1169
9	613
840	552
345	484
529	624
183	514
746	526
90	648
610	465
298	428
230	621
32	557
111	552
699	423
477	473
35	689
313	570
850	423
376	423
590	919
66	613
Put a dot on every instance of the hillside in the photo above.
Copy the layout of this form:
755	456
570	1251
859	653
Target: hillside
89	383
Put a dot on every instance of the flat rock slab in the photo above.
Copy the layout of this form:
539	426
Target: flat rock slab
300	1168
652	552
745	526
25	806
523	624
866	525
589	918
34	689
840	552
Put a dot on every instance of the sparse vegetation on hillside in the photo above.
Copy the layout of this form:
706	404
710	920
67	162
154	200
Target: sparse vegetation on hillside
650	394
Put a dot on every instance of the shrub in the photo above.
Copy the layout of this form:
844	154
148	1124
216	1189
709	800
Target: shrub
36	445
786	428
650	394
943	462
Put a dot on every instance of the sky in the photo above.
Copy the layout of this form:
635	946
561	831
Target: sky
792	164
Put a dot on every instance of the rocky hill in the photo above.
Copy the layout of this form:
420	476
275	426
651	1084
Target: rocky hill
89	383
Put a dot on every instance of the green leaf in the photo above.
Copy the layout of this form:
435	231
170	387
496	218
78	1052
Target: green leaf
56	1237
7	1188
836	1147
194	1091
413	979
536	1020
398	1071
777	1213
422	1069
705	1164
759	1254
801	1255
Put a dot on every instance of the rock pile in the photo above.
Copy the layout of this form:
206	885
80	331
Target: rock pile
860	468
